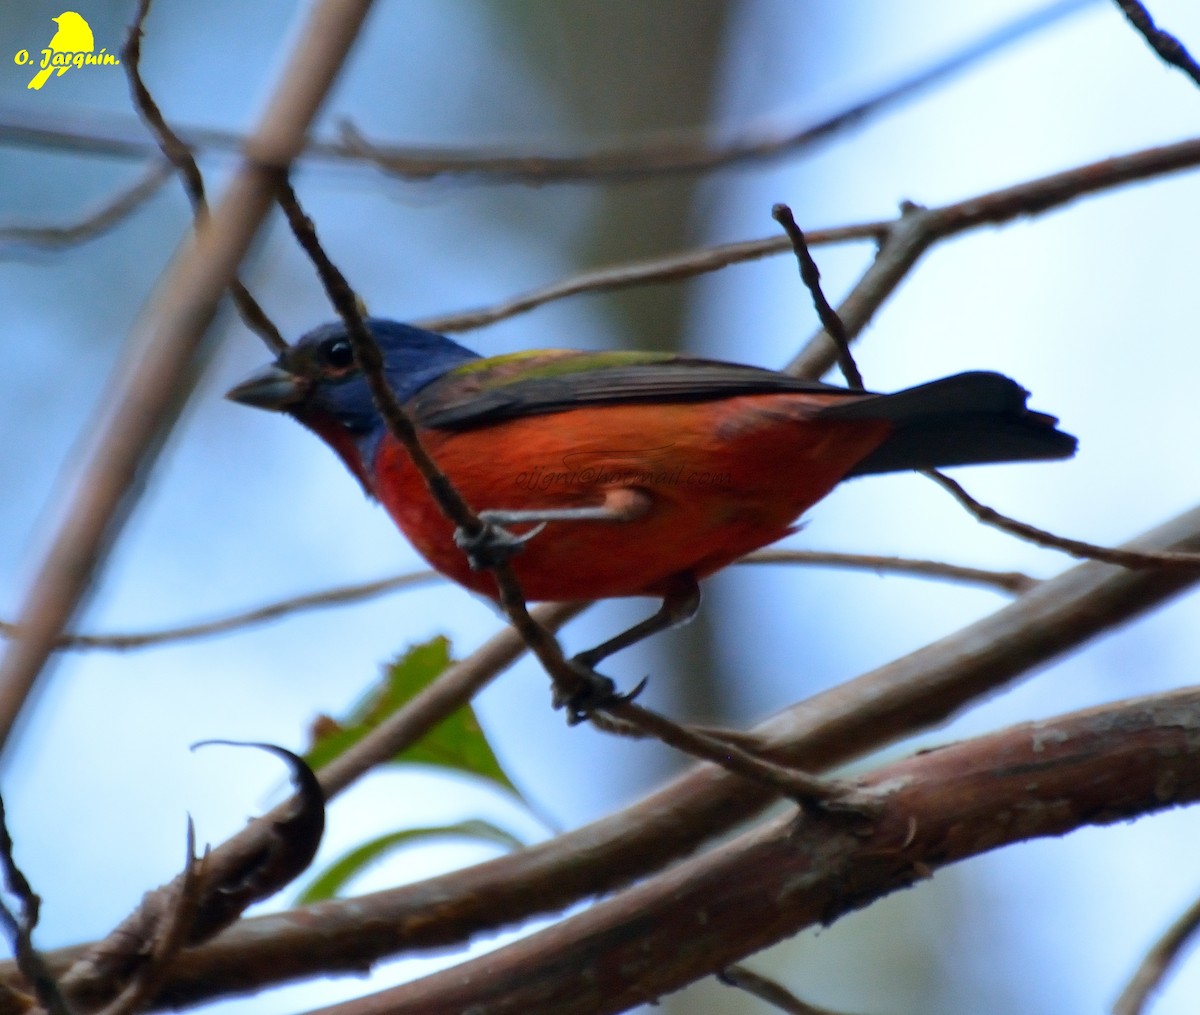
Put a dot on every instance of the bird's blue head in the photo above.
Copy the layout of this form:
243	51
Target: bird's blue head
317	381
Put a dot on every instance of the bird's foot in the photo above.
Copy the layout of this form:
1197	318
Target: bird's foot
593	691
492	544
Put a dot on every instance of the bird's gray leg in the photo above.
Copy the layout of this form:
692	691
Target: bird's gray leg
679	606
493	543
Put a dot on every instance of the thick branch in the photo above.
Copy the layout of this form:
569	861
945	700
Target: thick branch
915	692
96	971
1034	780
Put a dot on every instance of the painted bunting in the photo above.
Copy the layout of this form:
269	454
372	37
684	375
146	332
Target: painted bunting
625	473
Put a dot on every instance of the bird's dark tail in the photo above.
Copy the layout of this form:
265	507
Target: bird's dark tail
966	419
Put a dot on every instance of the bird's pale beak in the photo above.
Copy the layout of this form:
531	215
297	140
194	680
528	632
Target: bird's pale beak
272	388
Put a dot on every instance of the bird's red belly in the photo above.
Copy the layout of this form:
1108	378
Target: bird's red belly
723	478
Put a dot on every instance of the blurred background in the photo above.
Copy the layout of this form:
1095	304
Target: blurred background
1093	308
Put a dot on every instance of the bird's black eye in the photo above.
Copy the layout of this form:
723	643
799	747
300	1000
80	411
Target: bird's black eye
336	353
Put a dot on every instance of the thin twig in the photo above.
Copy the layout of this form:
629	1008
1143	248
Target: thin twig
20	928
149	389
709	746
648	158
1014	582
670	156
810	274
170	937
775	994
902	241
340	596
180	156
918	228
1169	48
118	955
1075	547
1157	963
110	213
653	271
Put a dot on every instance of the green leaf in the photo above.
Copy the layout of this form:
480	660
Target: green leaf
336	875
456	743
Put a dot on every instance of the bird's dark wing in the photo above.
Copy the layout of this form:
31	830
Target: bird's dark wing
532	383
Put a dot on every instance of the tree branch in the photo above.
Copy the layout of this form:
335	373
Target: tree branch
180	156
651	157
902	242
150	388
109	214
919	228
1158	961
1034	780
1012	582
19	928
846	722
1169	48
1075	547
100	969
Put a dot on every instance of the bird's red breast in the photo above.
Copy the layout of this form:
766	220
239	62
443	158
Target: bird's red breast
723	478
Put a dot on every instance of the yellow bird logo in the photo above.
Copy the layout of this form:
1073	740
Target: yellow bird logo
74	35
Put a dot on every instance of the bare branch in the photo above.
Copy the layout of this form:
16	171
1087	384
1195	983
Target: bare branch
669	156
180	156
29	960
1014	582
1157	963
151	387
1169	48
918	691
111	213
811	276
1034	780
670	268
919	228
768	990
96	970
902	241
1075	547
93	136
340	596
343	595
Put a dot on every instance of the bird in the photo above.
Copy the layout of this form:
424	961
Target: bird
74	35
623	473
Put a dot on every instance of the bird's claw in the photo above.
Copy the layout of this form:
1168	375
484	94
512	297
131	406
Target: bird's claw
492	544
594	691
